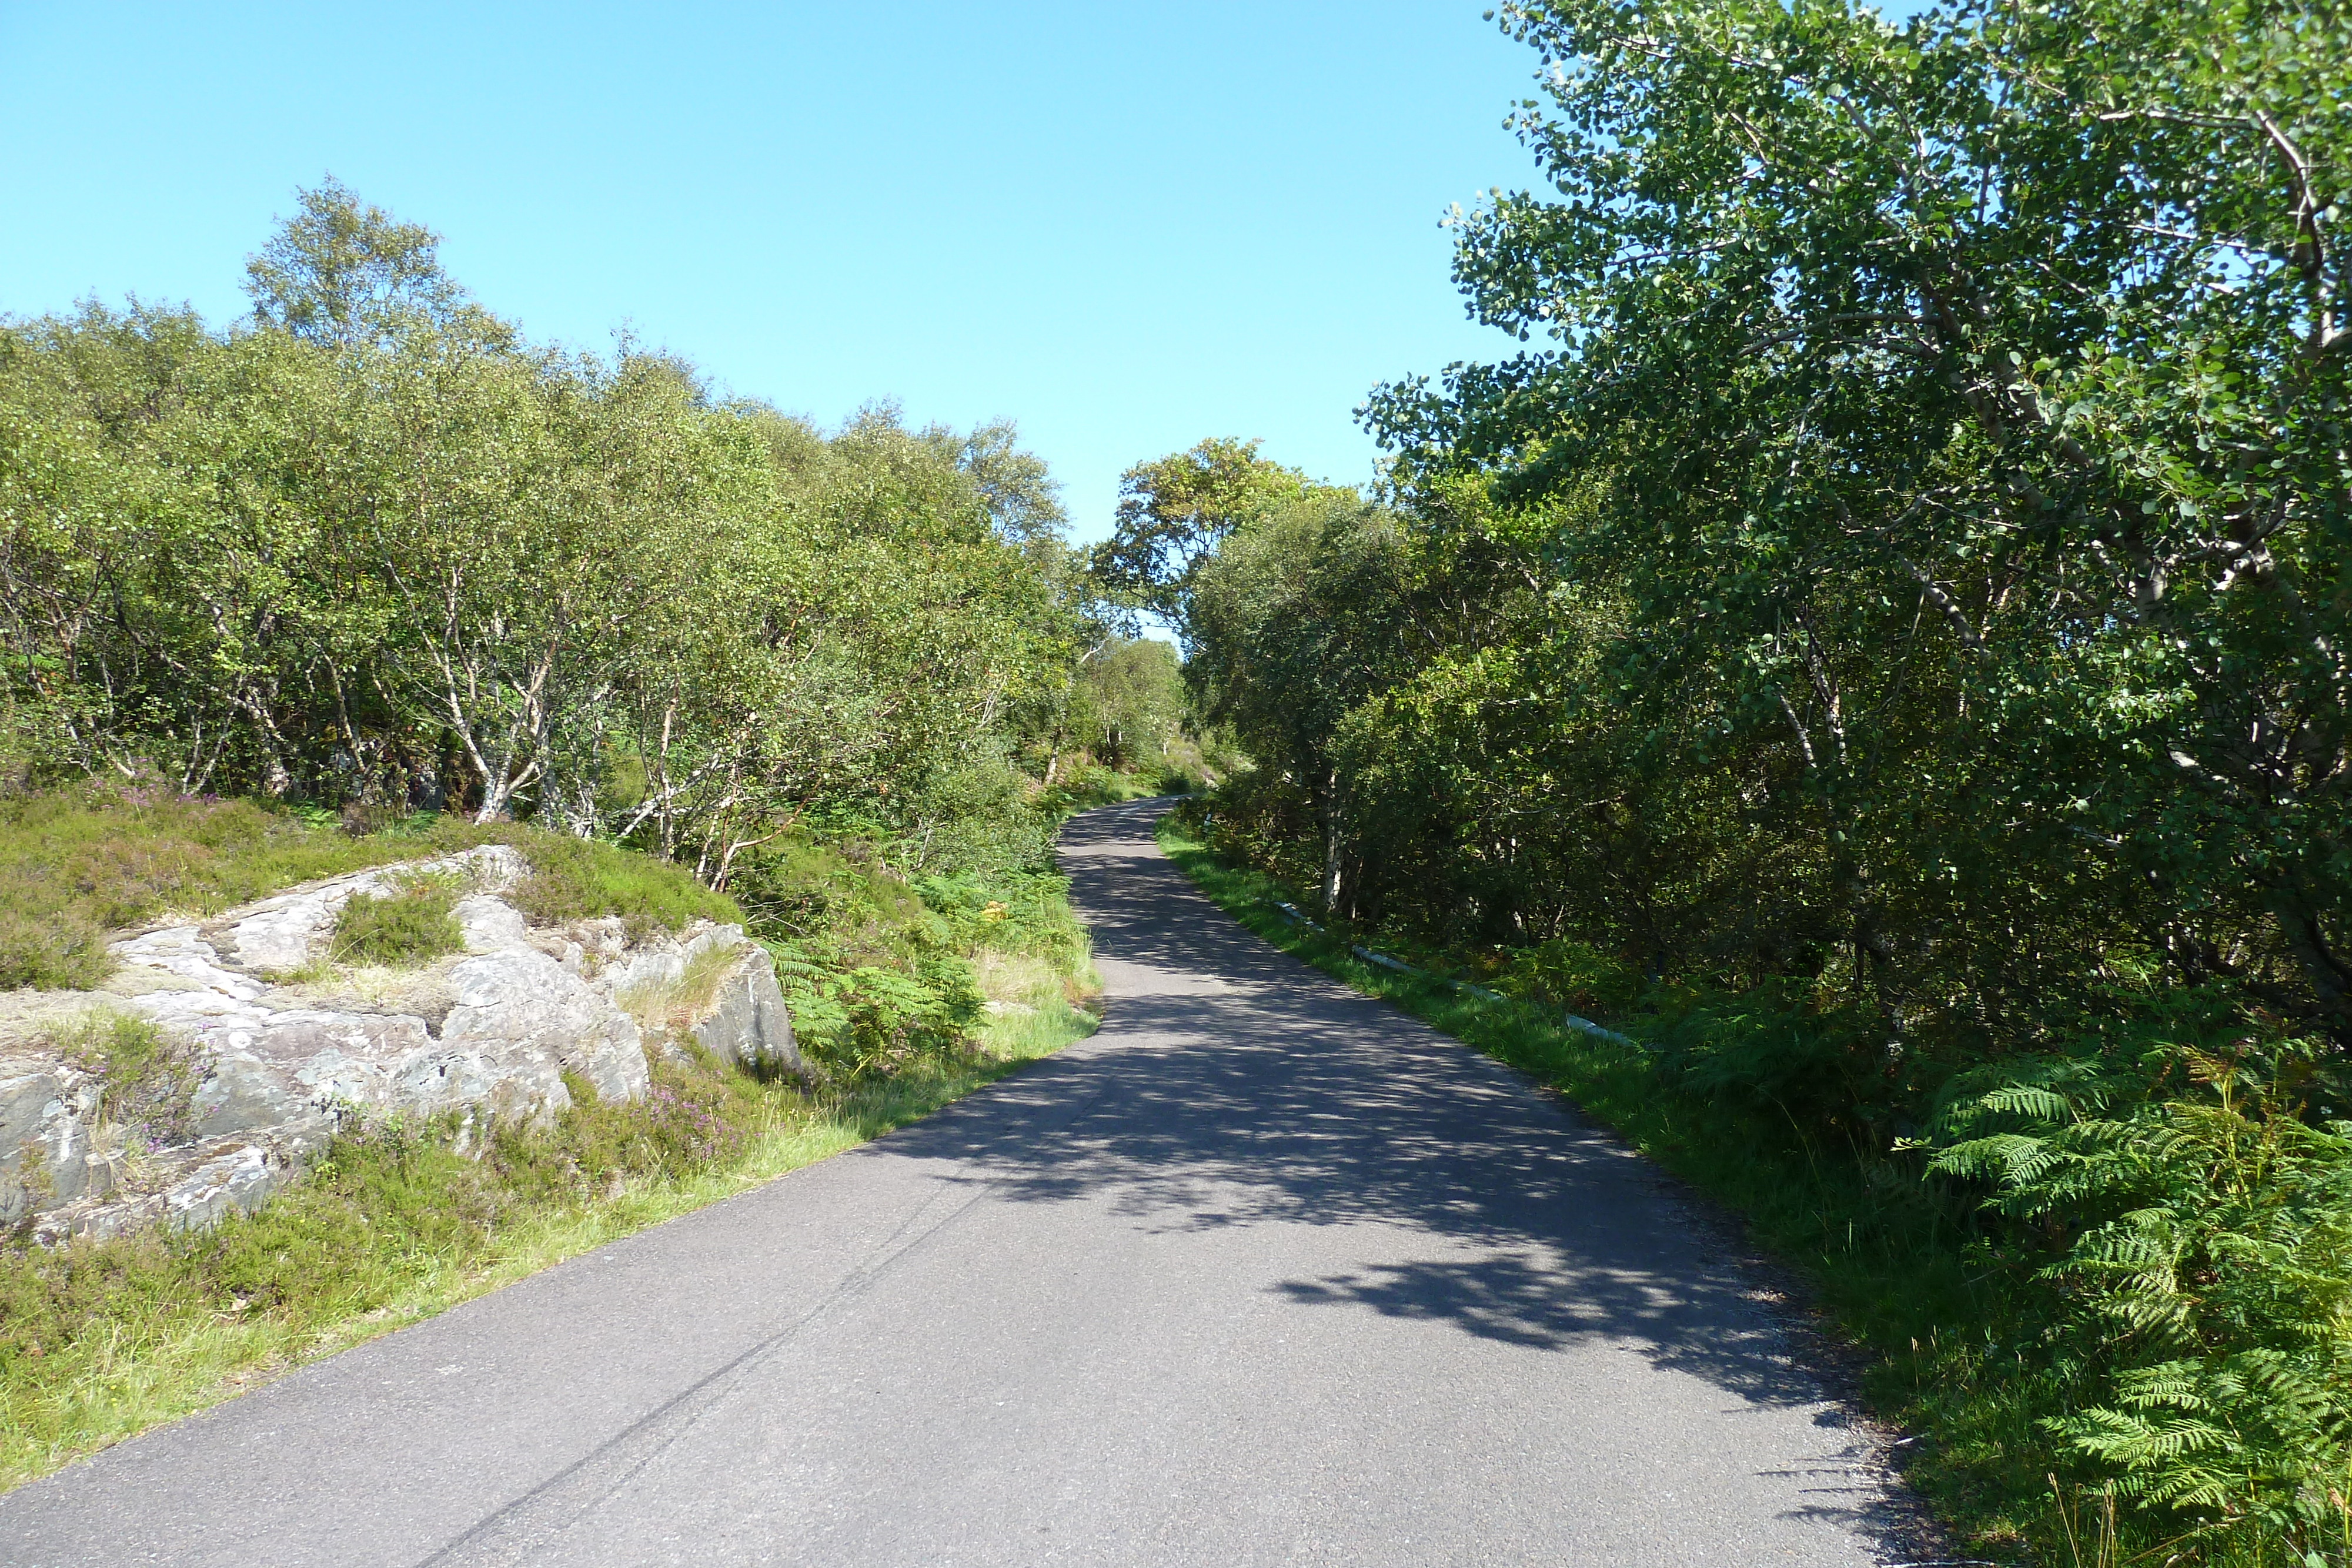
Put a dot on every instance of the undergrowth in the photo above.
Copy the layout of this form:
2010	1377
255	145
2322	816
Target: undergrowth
2110	1291
408	923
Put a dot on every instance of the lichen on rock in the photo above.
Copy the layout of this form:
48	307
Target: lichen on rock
288	1046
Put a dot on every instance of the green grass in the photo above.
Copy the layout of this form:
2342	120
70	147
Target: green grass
407	924
1945	1329
101	1341
78	863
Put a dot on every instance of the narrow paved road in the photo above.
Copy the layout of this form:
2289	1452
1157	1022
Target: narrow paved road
1265	1273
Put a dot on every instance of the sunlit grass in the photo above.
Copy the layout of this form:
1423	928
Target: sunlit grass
155	1328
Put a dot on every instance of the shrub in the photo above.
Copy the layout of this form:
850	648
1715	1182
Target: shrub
1025	912
148	1079
2205	1269
408	924
1576	974
54	949
580	879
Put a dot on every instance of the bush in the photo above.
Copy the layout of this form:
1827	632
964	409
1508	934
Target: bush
580	879
875	1022
408	924
980	819
1575	975
1021	912
53	949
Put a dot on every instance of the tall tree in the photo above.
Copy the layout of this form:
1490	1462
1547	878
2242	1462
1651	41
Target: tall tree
342	272
1173	512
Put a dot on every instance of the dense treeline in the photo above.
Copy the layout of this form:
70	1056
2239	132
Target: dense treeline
367	577
372	548
1890	645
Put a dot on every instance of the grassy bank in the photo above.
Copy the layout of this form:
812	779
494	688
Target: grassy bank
907	994
100	1341
1968	1344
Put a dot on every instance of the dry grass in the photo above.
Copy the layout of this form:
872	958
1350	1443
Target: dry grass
677	1004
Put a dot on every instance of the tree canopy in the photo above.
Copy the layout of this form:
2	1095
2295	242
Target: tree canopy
371	546
1901	593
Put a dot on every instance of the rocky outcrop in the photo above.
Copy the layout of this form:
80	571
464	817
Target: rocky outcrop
718	987
748	1023
287	1048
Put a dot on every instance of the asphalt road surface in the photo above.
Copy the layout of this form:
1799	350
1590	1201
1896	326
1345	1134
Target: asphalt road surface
1264	1272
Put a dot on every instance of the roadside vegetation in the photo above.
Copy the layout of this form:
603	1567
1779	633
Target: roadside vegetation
905	994
364	577
1880	650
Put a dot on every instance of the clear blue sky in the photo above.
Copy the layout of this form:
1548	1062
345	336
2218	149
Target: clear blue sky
1127	226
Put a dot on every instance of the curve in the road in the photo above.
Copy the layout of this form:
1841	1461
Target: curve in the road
1264	1272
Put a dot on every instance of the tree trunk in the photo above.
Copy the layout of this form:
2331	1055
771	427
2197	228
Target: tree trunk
1335	855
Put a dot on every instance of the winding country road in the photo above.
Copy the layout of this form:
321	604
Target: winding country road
1264	1272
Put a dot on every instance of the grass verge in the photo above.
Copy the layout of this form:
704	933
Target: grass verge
100	1340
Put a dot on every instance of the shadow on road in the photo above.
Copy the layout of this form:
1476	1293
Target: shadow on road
1232	1085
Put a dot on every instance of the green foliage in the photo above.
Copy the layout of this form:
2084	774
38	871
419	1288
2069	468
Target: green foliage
57	950
1129	708
148	1079
1574	975
1086	785
342	272
1173	512
2206	1271
879	970
1027	914
583	879
409	922
874	1023
378	551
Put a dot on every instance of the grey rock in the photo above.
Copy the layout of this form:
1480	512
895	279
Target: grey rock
46	1108
628	982
743	1020
234	1180
182	950
488	1036
490	923
287	937
523	999
283	1073
748	1023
